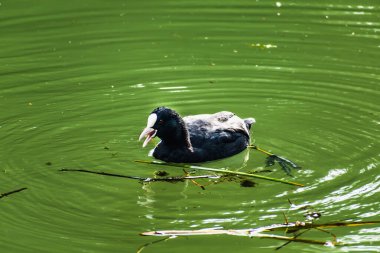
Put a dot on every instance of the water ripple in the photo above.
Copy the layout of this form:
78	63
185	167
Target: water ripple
78	83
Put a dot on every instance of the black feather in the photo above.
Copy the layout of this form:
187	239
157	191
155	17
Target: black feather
199	138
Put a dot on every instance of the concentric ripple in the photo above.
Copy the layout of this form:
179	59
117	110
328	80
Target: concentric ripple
79	80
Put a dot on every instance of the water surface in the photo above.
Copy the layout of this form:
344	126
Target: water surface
79	79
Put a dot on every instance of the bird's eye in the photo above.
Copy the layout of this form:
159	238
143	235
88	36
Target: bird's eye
160	122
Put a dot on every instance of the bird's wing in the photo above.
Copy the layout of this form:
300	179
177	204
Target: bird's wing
221	127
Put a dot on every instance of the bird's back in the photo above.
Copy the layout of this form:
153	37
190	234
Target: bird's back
217	135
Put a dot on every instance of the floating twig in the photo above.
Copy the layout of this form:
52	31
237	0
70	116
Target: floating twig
237	173
296	226
5	194
261	231
150	243
285	163
193	181
295	236
143	179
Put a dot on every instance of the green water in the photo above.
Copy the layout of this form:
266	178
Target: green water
79	78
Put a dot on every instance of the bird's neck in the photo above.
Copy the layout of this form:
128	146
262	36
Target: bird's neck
179	136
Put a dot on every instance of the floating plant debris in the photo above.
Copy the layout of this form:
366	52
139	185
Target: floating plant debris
223	171
247	183
161	173
286	164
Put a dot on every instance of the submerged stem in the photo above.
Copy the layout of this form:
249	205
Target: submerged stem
2	195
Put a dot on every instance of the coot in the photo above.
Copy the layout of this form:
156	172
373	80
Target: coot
196	138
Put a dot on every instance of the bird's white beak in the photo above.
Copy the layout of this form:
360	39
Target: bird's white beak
149	132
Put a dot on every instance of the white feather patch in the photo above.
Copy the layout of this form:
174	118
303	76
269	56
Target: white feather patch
151	120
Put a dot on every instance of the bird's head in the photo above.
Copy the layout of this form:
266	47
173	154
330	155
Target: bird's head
162	122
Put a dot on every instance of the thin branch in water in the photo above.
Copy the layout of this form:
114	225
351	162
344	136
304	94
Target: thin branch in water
285	218
143	179
5	194
261	150
295	236
238	232
292	239
150	243
334	241
220	171
261	232
296	226
193	181
260	171
102	173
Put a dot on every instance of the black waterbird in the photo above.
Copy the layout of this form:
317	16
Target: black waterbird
196	138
